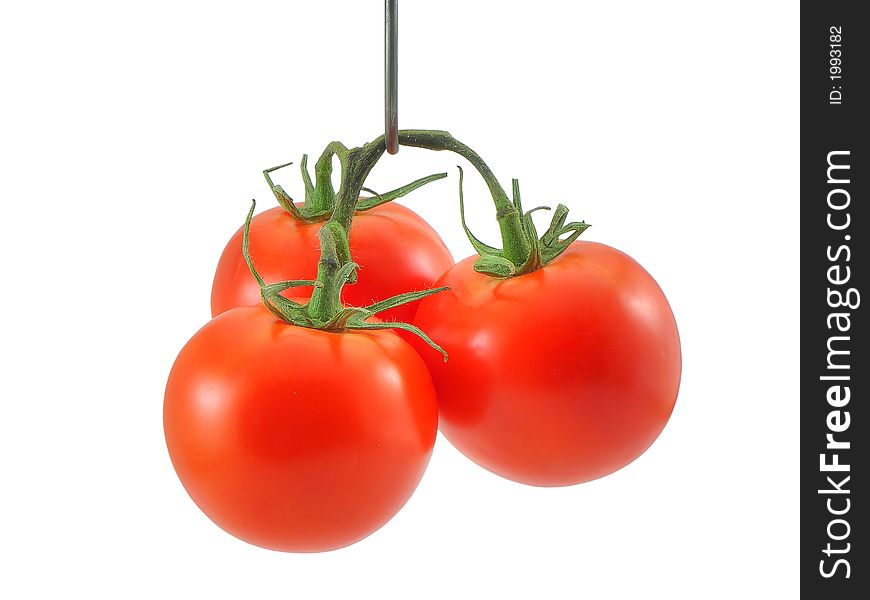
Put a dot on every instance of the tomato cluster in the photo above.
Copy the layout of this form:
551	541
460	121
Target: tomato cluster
303	415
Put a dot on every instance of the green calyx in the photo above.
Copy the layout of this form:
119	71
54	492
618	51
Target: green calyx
542	250
522	250
335	269
320	195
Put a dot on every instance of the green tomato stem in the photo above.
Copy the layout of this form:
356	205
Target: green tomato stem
514	239
356	167
357	163
325	300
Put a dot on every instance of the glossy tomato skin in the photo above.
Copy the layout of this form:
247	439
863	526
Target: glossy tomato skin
556	377
396	249
295	439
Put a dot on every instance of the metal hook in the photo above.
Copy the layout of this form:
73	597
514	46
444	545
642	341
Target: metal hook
391	73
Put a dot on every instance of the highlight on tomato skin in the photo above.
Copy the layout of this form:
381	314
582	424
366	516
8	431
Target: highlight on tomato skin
397	250
298	439
556	377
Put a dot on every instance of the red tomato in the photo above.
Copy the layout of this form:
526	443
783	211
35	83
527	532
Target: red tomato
297	439
396	249
558	376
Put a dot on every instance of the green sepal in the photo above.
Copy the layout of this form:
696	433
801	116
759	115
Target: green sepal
278	305
274	289
534	260
542	250
283	198
359	323
306	178
378	199
494	265
339	321
551	243
357	320
320	195
289	311
400	299
348	317
323	194
480	247
552	233
491	260
346	271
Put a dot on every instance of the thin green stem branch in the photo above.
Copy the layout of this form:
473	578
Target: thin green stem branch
516	246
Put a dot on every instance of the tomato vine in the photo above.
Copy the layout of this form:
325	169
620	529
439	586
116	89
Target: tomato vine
522	250
335	268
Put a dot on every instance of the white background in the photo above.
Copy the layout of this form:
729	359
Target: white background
132	136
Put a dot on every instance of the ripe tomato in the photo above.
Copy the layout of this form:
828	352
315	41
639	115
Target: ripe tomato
558	376
396	249
297	439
